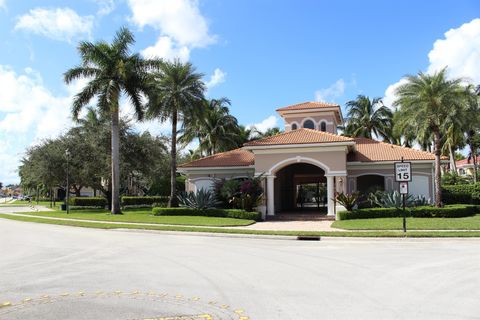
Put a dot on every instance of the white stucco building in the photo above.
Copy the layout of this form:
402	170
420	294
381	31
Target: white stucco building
310	152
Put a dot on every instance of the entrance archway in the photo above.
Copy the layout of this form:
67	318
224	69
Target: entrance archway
300	187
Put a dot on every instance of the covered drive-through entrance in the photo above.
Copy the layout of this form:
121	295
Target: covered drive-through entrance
301	188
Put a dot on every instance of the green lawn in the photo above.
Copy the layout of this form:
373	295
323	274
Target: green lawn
18	203
145	216
467	223
100	225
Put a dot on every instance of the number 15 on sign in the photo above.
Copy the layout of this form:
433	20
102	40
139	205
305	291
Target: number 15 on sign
403	171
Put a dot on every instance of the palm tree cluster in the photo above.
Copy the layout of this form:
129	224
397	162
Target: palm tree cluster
164	90
438	113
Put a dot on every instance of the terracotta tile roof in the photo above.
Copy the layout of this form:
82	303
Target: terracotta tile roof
467	161
233	158
308	105
300	136
368	150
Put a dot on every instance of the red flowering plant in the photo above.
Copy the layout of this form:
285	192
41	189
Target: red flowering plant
251	193
243	194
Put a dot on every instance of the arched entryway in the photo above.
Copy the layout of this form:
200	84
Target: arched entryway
300	188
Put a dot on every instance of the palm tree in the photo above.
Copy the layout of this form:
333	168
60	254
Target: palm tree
472	132
178	90
216	129
269	132
454	139
432	103
368	118
112	71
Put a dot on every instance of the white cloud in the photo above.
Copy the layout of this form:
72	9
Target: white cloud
105	7
179	22
61	24
458	50
266	124
3	4
167	49
390	96
179	19
331	93
216	78
29	107
28	113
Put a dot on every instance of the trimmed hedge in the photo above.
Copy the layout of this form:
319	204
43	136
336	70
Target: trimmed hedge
213	212
97	202
449	211
143	201
461	193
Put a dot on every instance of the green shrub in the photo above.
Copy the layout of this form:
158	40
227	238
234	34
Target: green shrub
450	211
143	201
239	194
461	193
97	202
451	178
212	212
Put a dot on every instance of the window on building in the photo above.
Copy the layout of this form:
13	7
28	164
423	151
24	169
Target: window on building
309	124
294	126
323	126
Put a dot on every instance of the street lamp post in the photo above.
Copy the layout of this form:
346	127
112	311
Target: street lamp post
67	204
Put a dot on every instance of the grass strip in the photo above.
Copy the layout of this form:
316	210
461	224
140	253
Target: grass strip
374	234
144	216
466	223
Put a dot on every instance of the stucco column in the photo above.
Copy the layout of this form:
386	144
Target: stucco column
330	195
270	196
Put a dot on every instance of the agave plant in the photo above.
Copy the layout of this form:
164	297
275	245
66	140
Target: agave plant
394	199
202	199
347	200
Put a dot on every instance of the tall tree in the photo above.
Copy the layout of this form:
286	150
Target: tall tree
177	90
112	71
368	118
216	129
472	130
431	102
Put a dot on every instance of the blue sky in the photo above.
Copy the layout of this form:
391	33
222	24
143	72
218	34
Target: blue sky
261	54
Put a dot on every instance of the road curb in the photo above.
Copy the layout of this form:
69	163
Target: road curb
208	234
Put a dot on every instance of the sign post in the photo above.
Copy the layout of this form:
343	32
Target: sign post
403	175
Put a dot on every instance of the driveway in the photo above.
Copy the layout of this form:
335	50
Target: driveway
57	272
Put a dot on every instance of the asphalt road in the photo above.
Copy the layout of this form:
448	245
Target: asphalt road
55	272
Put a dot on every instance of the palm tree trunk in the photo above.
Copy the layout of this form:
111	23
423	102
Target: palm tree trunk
437	182
173	202
453	165
474	153
115	162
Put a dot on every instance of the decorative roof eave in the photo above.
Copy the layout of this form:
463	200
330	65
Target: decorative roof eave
335	109
217	168
360	163
300	145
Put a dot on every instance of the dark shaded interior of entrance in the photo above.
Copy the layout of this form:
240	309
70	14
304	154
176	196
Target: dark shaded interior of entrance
301	187
370	183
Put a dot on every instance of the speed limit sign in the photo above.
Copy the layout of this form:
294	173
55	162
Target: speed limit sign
403	171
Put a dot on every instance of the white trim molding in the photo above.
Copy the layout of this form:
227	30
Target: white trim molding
297	159
300	145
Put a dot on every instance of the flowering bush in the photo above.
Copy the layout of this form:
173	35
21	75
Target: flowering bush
238	194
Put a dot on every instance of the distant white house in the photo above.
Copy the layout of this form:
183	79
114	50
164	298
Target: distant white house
465	167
